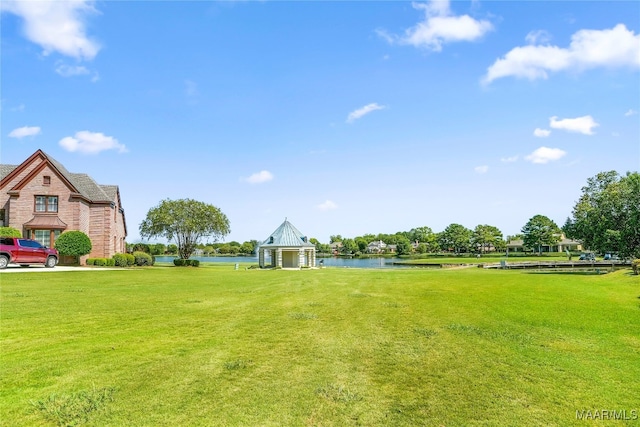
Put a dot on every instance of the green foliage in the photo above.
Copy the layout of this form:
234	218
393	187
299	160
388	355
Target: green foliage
485	237
100	262
9	232
607	215
455	237
403	247
540	230
73	243
90	261
141	247
120	260
179	262
130	259
186	221
110	262
635	265
142	258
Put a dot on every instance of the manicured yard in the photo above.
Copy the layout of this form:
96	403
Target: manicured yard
169	346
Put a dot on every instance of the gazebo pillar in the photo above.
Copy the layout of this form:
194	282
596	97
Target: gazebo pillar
279	258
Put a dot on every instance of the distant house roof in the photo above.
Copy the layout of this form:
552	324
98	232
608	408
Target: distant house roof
287	236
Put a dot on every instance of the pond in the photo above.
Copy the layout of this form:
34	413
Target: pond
328	262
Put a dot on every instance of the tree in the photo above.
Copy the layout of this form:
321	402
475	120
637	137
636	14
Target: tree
336	238
172	249
403	246
73	243
486	236
456	237
349	247
186	222
539	231
607	216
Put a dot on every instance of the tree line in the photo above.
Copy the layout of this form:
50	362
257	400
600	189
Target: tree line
606	218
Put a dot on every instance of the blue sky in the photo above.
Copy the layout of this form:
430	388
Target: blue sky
345	117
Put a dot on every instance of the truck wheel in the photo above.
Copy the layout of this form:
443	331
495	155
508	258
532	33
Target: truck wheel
51	262
4	261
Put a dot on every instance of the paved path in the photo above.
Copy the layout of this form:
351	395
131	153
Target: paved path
42	269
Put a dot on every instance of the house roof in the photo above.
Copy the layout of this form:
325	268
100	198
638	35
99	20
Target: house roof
287	236
82	183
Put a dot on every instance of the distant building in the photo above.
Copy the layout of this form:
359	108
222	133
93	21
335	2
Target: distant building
42	199
287	247
376	247
517	245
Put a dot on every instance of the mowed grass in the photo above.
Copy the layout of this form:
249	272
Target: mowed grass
212	346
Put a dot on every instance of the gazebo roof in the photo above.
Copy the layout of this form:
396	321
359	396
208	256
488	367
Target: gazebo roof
287	236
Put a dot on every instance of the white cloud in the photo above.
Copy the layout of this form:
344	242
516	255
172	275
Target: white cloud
584	124
509	159
259	177
71	70
24	131
537	37
57	26
20	108
91	143
609	48
327	205
481	169
545	155
630	113
360	112
440	26
541	133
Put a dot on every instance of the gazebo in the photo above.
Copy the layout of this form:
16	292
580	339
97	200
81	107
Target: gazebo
287	247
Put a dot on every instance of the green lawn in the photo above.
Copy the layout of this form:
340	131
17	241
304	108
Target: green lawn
212	346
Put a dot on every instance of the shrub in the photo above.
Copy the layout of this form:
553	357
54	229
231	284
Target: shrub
10	232
90	261
179	262
101	262
111	262
74	243
635	265
142	258
130	259
120	260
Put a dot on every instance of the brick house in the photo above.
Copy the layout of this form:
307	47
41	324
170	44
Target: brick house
42	199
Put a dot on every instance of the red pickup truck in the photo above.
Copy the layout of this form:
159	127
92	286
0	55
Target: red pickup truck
15	250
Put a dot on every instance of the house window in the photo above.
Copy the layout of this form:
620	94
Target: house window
46	180
46	237
46	203
2	218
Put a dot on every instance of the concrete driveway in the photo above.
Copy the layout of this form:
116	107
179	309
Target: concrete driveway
11	268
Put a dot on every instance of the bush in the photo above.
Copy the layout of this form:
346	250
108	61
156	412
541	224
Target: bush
111	262
9	232
101	262
635	265
73	243
179	262
130	259
90	261
142	258
120	260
